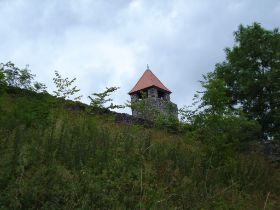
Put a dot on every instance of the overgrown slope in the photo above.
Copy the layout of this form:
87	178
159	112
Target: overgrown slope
51	158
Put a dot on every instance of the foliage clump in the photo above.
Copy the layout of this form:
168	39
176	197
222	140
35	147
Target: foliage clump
12	76
99	101
64	87
248	81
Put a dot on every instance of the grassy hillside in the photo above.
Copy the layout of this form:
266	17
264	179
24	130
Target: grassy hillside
51	158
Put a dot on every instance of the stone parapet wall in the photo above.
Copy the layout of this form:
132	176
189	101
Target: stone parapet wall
131	120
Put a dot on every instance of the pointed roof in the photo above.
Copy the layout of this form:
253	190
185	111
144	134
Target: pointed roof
148	79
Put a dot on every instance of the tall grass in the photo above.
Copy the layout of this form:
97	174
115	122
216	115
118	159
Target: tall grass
56	159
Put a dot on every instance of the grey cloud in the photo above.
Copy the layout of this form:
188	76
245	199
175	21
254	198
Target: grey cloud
106	43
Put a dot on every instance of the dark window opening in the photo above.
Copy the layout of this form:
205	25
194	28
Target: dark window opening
161	94
142	94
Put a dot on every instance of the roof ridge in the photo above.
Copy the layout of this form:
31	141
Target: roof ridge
148	79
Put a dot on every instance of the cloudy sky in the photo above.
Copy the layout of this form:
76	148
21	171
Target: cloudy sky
110	42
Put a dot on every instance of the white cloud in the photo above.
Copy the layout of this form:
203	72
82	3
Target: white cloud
109	43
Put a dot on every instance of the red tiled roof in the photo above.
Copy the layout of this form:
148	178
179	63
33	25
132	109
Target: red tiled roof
148	79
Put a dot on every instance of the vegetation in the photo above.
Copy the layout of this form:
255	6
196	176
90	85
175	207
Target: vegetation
57	159
53	158
248	81
64	87
146	109
100	100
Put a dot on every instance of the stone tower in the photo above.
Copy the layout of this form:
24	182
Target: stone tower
151	94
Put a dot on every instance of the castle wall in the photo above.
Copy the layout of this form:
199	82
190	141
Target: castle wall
133	98
150	108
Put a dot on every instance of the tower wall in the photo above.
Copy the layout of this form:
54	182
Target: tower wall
152	106
152	93
133	98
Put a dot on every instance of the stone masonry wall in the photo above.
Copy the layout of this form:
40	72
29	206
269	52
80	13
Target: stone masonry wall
151	106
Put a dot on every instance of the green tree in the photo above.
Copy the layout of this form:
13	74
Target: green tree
11	73
249	79
2	78
16	77
39	87
64	87
99	100
25	78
